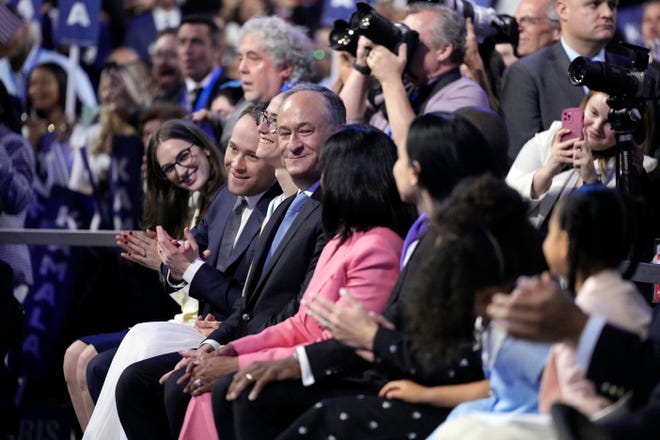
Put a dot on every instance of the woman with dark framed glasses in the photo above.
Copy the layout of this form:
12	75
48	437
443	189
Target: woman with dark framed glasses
183	175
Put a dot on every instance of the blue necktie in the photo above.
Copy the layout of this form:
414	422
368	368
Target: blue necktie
288	219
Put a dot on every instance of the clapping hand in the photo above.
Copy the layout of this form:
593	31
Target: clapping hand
348	320
140	248
176	255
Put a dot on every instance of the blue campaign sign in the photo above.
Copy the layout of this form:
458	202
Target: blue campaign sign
78	22
629	19
125	187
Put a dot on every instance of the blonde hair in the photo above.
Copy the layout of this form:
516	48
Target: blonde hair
133	82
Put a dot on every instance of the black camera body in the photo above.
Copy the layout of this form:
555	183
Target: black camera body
501	28
629	78
629	83
366	21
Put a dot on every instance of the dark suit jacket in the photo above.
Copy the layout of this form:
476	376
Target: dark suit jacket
622	362
535	89
140	33
272	293
215	89
217	290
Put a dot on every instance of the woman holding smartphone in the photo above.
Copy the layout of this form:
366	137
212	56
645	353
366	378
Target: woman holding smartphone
551	165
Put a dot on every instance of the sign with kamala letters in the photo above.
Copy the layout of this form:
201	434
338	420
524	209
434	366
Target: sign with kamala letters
50	294
125	182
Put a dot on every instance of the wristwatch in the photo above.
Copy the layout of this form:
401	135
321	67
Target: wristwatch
364	70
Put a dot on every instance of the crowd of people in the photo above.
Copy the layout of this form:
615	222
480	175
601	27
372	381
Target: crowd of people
381	242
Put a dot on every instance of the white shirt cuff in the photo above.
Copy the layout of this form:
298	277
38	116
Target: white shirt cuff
176	285
305	368
588	341
212	342
191	271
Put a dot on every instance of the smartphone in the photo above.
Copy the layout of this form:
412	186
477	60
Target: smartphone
571	118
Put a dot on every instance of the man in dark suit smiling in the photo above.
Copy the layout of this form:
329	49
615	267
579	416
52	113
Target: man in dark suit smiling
284	261
227	234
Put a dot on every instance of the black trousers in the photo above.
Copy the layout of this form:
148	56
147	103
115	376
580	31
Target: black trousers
279	404
147	409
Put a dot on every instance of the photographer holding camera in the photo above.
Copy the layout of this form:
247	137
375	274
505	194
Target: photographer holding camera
432	78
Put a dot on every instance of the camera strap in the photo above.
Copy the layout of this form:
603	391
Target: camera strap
418	96
421	96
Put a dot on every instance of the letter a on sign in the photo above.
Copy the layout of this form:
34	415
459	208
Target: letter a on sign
78	22
78	15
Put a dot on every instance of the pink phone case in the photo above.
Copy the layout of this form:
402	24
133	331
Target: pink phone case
571	118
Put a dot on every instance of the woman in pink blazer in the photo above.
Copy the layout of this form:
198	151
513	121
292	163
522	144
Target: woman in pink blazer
365	219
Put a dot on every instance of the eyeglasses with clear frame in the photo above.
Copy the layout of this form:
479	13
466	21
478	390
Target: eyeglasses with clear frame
184	159
270	121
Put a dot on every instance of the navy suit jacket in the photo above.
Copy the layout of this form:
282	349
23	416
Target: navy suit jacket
140	33
535	90
215	89
217	290
622	362
272	293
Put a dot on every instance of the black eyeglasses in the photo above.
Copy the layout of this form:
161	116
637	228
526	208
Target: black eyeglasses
271	122
184	159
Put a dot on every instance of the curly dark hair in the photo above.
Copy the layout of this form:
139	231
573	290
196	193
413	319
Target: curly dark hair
483	240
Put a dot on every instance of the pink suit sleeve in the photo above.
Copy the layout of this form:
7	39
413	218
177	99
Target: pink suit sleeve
367	265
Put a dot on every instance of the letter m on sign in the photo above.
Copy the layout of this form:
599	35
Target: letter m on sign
78	22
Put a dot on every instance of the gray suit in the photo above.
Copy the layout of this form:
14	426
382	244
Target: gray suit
534	92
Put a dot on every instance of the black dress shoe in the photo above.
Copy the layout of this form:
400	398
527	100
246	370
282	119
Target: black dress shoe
571	424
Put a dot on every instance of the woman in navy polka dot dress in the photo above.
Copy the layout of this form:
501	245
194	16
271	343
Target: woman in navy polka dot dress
484	242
